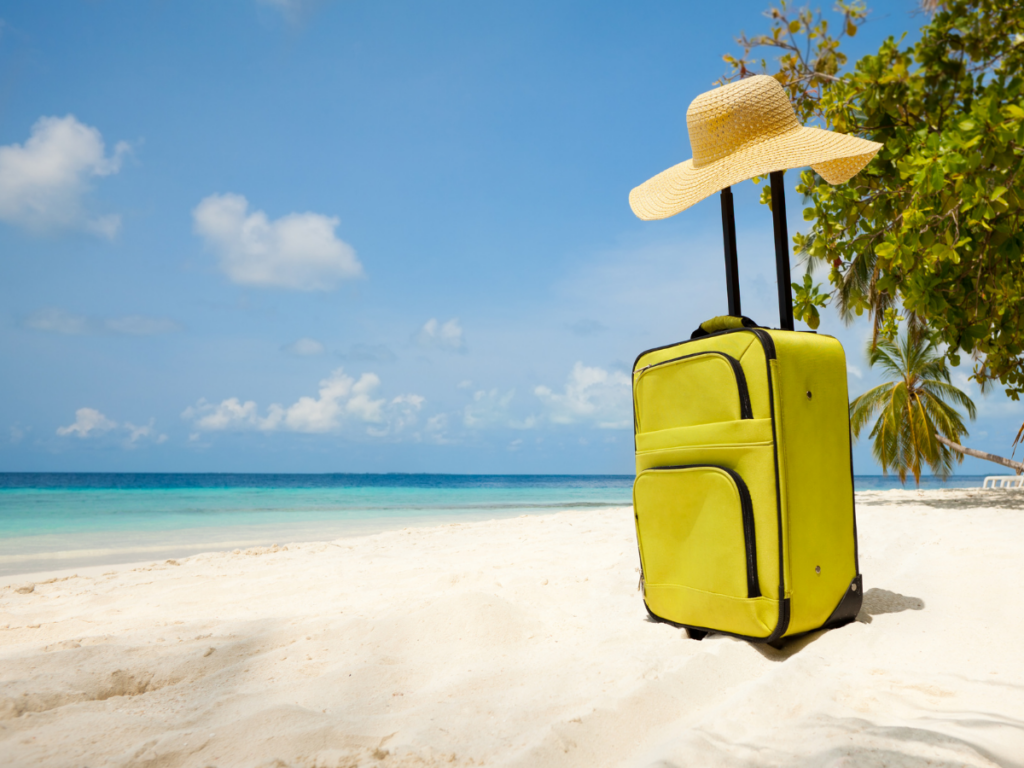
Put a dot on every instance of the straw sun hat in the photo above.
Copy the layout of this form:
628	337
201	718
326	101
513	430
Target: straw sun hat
744	129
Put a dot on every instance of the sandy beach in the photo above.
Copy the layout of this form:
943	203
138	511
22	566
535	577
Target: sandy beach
517	642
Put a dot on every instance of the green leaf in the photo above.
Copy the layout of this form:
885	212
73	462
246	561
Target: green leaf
932	225
813	319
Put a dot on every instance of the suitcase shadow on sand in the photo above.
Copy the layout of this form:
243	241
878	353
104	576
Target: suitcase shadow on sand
879	601
876	602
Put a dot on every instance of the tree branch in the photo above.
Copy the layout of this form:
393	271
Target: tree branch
1015	465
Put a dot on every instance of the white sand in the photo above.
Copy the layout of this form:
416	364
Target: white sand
517	642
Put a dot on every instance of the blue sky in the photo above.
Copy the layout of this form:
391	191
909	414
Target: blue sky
361	237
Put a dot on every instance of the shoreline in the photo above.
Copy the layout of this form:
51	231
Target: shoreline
176	544
141	547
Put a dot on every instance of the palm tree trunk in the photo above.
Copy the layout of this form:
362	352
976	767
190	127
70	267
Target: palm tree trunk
1015	465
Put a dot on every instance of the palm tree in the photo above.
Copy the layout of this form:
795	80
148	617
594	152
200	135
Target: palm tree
913	410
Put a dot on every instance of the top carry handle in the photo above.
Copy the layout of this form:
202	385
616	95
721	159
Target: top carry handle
732	278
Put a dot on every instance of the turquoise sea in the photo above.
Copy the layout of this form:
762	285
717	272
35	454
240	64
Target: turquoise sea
51	521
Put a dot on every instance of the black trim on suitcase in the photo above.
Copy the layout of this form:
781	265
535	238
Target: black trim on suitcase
766	342
848	607
780	628
747	514
746	412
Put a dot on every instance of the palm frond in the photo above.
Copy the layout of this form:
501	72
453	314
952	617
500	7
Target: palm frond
864	407
887	355
942	391
1016	440
945	419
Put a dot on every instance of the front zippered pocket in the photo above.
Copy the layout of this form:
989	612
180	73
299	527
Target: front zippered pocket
695	528
686	391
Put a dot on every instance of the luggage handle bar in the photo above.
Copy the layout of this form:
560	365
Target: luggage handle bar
732	279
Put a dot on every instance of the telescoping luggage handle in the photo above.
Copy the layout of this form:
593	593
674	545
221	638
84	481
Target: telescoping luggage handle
732	278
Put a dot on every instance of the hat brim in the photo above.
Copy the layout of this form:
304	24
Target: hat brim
837	157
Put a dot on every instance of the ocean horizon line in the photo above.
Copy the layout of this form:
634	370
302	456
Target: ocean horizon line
398	481
379	474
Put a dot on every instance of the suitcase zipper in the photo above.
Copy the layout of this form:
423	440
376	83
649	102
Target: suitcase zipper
746	412
747	512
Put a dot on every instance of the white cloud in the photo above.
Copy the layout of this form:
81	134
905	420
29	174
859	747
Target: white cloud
304	347
436	423
43	181
340	399
447	336
853	370
17	434
436	429
401	413
145	432
91	423
59	321
87	421
591	395
54	320
339	395
298	251
229	414
491	408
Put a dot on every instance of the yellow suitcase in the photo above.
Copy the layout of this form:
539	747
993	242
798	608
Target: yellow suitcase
744	489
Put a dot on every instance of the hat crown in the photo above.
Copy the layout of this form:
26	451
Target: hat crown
729	118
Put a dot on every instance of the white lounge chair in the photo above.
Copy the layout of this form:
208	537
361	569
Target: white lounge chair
1004	481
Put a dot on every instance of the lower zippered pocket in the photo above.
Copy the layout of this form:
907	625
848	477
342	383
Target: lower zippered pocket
695	528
